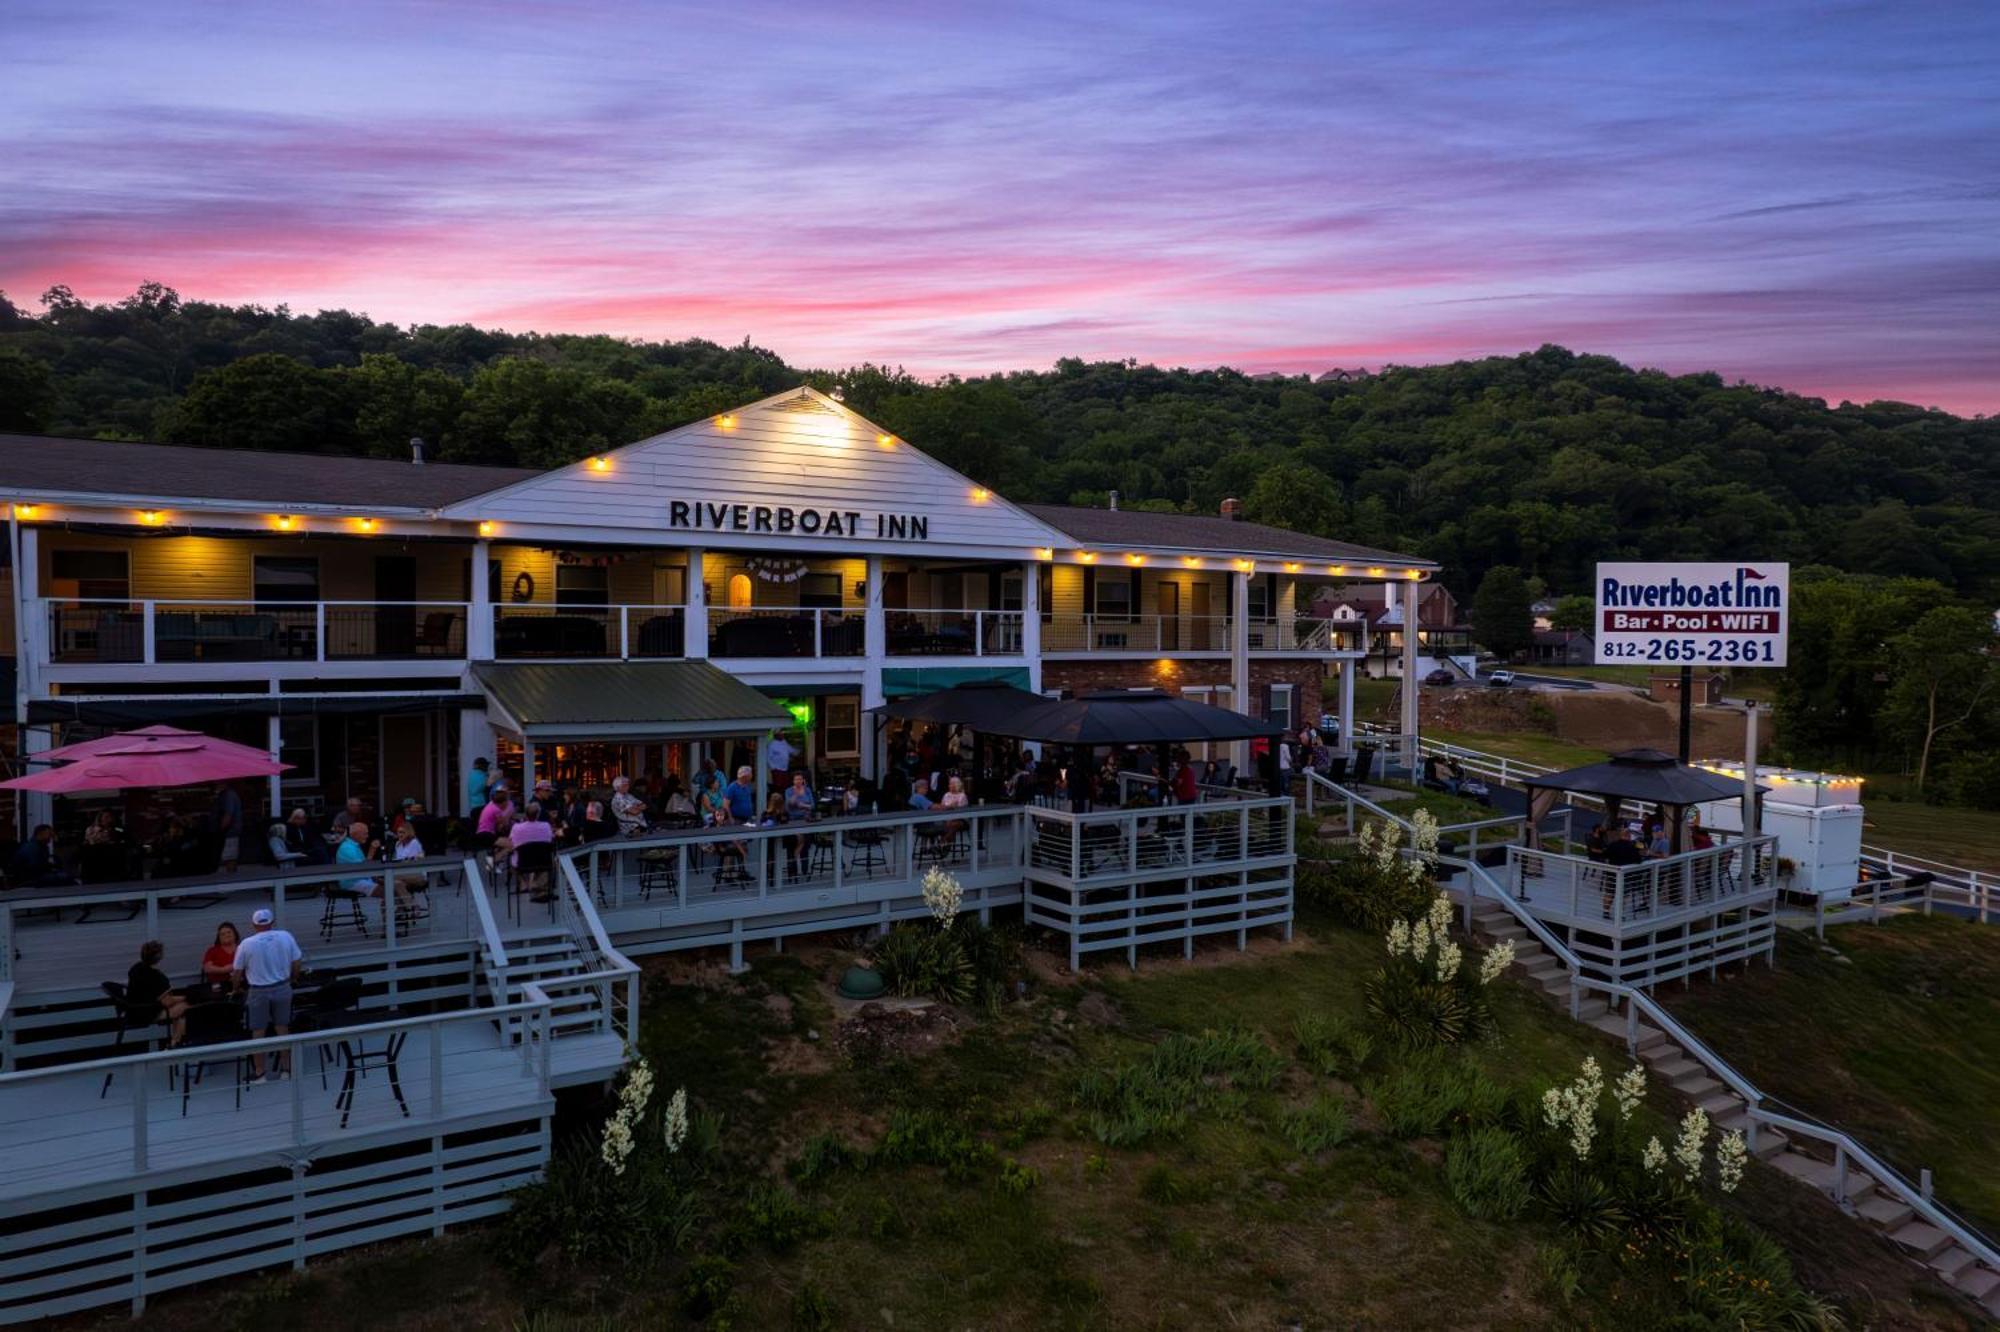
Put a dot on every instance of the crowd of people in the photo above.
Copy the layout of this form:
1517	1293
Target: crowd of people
255	975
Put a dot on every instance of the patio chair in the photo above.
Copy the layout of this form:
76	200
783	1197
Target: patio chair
131	1017
866	849
534	874
217	1023
333	894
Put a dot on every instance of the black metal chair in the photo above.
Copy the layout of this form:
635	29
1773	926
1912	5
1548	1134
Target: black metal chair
868	849
658	870
131	1017
335	893
216	1023
534	874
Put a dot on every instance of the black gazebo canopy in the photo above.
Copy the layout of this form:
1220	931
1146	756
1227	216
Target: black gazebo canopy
1136	717
1646	776
990	707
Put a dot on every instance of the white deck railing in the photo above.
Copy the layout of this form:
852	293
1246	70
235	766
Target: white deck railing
589	633
146	631
1068	634
1101	848
960	633
1583	890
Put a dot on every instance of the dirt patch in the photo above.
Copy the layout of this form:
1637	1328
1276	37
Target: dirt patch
1097	1009
1612	721
877	1032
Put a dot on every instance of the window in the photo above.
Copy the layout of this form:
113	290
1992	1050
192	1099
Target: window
1278	710
298	745
583	585
843	727
1010	591
92	575
284	578
739	591
1260	598
1114	595
820	589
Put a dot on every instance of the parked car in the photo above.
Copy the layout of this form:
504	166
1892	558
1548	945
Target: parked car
1441	679
1500	679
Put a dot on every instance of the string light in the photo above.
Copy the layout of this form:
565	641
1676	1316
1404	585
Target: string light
26	510
1086	557
365	524
486	528
285	522
886	441
1191	561
600	463
1135	559
726	421
150	517
980	494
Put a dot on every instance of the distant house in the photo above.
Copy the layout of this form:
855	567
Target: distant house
1707	688
1563	647
1442	634
1543	609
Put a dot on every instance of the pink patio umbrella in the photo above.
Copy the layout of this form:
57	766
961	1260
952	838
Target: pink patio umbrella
157	756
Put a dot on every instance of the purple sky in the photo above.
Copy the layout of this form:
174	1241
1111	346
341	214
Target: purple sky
1800	194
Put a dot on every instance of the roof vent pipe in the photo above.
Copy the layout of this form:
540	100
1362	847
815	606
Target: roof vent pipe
1232	509
1113	500
417	452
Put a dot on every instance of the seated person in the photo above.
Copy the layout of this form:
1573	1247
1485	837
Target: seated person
774	812
34	864
150	996
280	849
219	961
850	799
104	830
495	816
357	849
596	826
677	805
955	798
408	847
920	794
628	809
711	805
350	812
798	798
533	827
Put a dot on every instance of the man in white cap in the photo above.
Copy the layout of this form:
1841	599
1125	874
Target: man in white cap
268	962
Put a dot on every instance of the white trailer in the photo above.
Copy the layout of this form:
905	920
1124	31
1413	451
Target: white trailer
1816	817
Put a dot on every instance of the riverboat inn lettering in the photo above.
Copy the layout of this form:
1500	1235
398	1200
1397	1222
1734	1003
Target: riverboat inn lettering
783	520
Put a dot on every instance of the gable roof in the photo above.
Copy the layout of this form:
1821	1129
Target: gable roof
798	450
1200	531
113	470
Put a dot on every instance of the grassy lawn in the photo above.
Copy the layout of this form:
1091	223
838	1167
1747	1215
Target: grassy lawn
1534	748
1760	685
1897	1044
1951	833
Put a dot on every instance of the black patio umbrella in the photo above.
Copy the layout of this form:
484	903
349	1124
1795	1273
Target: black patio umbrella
1136	717
987	706
1644	775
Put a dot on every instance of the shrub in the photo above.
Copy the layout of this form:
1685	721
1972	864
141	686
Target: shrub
1486	1170
1332	1047
1156	1095
994	954
1319	1126
1426	1096
823	1157
594	1216
1578	1201
1018	1178
708	1287
916	960
812	1311
925	1137
777	1218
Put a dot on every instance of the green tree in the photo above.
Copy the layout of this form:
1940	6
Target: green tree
1296	497
1501	620
1574	613
534	414
262	402
394	402
27	392
1944	676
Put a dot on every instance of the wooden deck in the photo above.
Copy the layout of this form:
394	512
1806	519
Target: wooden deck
58	1134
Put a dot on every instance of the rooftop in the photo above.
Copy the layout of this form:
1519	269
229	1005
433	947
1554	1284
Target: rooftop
1200	531
119	469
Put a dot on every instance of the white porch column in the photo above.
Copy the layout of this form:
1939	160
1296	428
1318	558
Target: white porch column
1347	673
1411	684
37	807
1031	621
695	637
527	770
1239	660
479	614
475	740
276	783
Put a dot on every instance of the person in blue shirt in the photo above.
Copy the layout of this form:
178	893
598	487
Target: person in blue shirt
741	796
920	795
476	783
706	776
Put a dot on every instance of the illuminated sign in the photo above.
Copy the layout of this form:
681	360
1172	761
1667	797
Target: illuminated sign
1693	614
787	520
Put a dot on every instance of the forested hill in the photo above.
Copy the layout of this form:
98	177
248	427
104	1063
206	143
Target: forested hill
1549	460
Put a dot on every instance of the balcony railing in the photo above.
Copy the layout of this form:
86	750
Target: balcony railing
786	631
1304	634
619	633
961	633
1135	633
144	632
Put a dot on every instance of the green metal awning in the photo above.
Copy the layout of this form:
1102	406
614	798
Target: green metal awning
929	679
623	700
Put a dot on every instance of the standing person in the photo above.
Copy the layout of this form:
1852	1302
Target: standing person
1186	789
476	783
706	776
740	796
229	826
778	754
218	962
268	962
349	812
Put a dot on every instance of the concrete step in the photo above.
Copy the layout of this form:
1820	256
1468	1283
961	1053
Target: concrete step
1720	1104
1649	1038
1680	1066
1661	1052
1697	1087
1889	1213
1822	1175
1770	1141
1591	1009
1952	1261
1610	1024
1978	1282
1512	929
1527	950
1921	1238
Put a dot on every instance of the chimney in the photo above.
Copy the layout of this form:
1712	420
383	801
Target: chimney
1232	509
416	452
1114	501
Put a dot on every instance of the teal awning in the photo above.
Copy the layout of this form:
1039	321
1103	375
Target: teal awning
929	679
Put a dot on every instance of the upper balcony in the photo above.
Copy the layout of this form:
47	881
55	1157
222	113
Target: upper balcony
97	632
1081	635
782	633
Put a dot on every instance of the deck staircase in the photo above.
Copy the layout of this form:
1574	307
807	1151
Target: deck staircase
552	953
1853	1189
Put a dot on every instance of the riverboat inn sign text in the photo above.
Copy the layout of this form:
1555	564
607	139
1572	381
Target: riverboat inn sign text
790	520
1693	614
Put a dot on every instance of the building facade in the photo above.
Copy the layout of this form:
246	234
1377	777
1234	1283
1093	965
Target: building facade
349	614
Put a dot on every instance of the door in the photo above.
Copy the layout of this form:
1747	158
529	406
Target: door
1170	616
406	765
1201	633
395	611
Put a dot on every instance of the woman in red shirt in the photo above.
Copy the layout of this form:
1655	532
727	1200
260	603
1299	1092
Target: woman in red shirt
220	959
